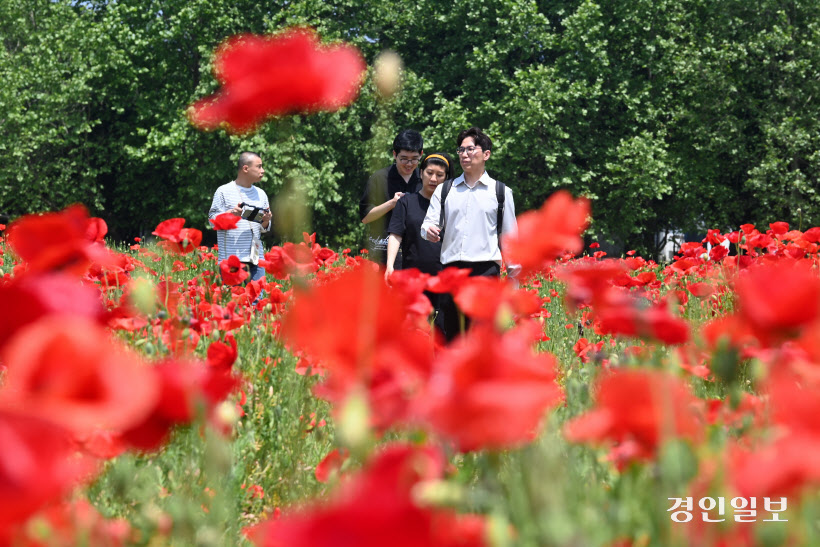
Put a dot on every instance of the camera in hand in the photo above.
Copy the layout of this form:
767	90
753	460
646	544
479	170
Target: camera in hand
254	214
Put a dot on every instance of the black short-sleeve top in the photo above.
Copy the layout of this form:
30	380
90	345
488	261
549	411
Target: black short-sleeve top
406	222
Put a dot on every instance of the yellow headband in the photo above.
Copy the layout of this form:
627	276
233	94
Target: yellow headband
439	156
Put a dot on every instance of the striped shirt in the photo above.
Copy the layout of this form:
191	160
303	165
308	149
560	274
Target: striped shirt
247	234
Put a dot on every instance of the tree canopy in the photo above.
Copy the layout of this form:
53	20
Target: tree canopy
680	114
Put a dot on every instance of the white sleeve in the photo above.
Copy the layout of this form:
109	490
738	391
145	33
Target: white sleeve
509	224
267	205
218	205
433	215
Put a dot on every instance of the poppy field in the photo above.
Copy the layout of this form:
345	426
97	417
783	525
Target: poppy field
150	396
606	401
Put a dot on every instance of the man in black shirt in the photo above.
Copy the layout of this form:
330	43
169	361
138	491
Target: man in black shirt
386	186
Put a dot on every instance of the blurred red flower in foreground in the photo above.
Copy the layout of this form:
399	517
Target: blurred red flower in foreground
66	522
791	460
490	390
483	298
221	355
638	409
448	280
377	507
545	234
35	296
38	464
372	346
290	259
655	323
225	221
777	300
183	386
58	241
265	76
330	464
67	369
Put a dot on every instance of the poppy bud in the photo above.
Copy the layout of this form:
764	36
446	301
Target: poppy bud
387	73
354	422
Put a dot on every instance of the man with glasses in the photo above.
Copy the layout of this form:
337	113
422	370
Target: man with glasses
474	205
385	187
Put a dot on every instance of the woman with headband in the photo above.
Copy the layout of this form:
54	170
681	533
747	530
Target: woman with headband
405	225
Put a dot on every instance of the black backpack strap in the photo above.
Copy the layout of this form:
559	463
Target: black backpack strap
445	189
500	194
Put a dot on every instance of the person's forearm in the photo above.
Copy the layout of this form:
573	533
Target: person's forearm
378	211
393	245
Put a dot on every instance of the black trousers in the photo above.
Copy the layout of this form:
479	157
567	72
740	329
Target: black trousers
453	322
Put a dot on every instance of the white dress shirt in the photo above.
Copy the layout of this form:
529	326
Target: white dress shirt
470	220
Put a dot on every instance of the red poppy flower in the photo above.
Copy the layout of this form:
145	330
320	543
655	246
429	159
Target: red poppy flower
760	241
35	296
182	384
225	221
779	228
634	262
96	229
490	390
448	280
483	298
584	347
180	240
374	508
68	521
640	280
372	348
643	407
411	284
56	241
592	283
691	249
291	259
545	234
790	461
222	356
781	468
169	229
778	299
233	271
324	255
265	76
686	265
701	290
655	323
812	235
38	464
718	253
713	237
330	464
68	369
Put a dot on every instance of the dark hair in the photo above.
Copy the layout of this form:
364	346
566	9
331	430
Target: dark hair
446	163
409	140
479	138
245	158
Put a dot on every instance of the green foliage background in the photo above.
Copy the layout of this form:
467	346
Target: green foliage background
685	113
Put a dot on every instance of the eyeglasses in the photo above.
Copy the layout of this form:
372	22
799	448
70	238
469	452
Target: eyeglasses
469	149
408	161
